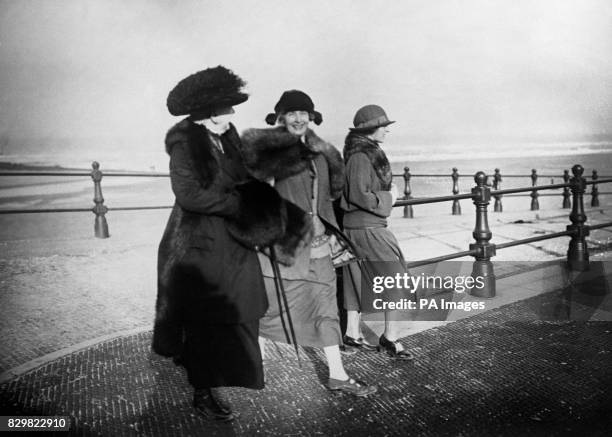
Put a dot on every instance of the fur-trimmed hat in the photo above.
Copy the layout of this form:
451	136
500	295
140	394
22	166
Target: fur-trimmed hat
294	100
206	90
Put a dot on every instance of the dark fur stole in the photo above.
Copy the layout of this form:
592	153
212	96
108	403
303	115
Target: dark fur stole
200	147
276	153
356	143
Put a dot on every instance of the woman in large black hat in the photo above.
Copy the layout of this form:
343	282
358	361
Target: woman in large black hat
367	201
210	290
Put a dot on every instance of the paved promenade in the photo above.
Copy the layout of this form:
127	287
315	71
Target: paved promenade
76	315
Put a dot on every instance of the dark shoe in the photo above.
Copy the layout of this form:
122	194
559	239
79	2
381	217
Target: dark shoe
178	360
211	407
394	349
360	343
348	350
350	386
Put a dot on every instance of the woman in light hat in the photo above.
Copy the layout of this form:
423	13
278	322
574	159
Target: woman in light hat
367	201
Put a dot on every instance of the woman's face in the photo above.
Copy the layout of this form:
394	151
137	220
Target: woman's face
296	122
380	134
220	120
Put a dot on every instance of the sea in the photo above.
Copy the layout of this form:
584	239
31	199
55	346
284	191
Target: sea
515	162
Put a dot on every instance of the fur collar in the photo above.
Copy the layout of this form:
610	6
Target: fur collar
356	143
276	153
201	148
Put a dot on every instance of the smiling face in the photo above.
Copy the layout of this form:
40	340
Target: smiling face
296	122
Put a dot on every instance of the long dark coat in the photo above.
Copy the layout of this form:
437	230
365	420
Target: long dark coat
207	280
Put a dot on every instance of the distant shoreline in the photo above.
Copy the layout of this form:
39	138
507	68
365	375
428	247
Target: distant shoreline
18	166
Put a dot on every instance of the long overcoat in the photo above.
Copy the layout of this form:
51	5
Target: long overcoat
205	276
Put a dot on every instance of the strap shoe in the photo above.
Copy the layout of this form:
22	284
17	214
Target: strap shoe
351	386
394	348
360	343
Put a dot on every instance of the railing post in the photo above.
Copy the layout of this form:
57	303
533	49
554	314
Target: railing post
595	190
99	209
535	205
567	204
456	205
408	213
578	254
483	267
497	179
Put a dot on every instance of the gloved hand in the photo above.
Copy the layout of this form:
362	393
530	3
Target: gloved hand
394	193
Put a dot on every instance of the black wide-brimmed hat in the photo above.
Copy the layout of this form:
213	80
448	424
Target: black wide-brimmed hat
370	117
206	90
294	100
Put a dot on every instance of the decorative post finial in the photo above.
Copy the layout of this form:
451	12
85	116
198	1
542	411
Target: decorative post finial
497	180
567	204
577	253
99	209
595	191
456	206
408	212
535	205
483	267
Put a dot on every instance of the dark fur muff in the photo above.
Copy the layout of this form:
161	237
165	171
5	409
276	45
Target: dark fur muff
358	143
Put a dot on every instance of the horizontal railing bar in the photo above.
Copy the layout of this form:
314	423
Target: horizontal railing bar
533	239
45	173
528	189
442	258
422	200
467	175
550	194
599	181
119	208
81	173
138	174
600	226
134	208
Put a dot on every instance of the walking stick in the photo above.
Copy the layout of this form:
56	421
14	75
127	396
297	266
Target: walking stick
280	291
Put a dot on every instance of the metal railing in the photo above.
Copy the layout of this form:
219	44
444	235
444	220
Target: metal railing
482	250
496	184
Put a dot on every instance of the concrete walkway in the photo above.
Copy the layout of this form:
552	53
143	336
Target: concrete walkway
76	314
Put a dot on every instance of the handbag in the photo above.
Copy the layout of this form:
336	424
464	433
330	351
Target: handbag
342	250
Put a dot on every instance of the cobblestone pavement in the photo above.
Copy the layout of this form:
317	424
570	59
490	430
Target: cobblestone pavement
500	373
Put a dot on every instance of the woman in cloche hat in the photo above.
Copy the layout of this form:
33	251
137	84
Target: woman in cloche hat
211	293
367	201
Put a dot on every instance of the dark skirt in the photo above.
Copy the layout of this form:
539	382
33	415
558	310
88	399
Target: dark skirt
312	304
224	355
373	245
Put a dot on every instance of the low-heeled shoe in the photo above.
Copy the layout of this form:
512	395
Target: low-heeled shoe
360	343
211	407
351	386
391	347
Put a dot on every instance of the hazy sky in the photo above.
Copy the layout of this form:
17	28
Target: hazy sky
444	69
